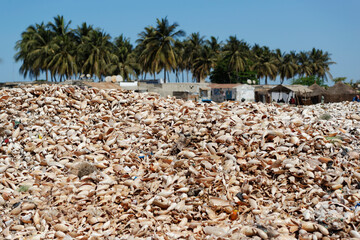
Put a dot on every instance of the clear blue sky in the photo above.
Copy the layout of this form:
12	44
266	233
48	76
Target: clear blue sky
330	25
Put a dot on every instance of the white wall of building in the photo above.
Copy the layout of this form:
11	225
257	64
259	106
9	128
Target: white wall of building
245	91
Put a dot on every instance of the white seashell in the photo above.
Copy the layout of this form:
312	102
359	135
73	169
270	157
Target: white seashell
216	231
323	230
253	203
187	154
354	234
218	202
261	233
309	227
61	227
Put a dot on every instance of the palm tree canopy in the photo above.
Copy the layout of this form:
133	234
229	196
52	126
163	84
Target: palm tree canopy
159	46
237	51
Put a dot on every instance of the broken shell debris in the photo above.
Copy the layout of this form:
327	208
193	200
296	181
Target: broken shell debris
84	163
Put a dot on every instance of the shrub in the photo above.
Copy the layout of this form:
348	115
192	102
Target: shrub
85	169
23	188
325	116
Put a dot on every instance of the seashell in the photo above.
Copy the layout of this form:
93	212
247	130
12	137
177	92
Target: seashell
253	203
249	231
218	202
187	154
323	230
261	233
216	231
183	190
324	159
354	155
309	227
3	168
26	218
60	234
173	168
15	211
354	234
36	218
61	227
17	228
28	206
356	175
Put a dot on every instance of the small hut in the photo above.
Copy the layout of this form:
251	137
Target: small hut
340	92
317	93
282	93
262	93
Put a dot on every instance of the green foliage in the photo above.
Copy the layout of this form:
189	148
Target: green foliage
325	116
339	79
308	81
64	52
222	74
23	188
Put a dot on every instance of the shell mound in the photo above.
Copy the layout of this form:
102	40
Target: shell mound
84	163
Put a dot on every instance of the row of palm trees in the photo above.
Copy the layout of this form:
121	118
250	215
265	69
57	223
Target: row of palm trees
62	52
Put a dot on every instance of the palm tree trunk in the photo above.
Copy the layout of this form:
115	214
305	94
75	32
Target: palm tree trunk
47	75
265	80
164	76
168	76
182	76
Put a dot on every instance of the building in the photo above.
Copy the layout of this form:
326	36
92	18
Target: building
232	92
318	93
262	93
283	93
340	92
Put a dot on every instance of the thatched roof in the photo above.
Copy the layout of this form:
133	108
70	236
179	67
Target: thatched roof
340	88
263	89
299	89
317	90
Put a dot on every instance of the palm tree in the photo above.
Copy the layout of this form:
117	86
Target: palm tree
214	45
321	62
204	63
99	54
286	65
24	47
179	49
143	59
264	64
124	64
193	46
236	53
42	48
82	35
60	27
62	61
305	67
159	47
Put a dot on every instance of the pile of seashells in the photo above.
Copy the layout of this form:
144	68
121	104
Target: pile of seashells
84	163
